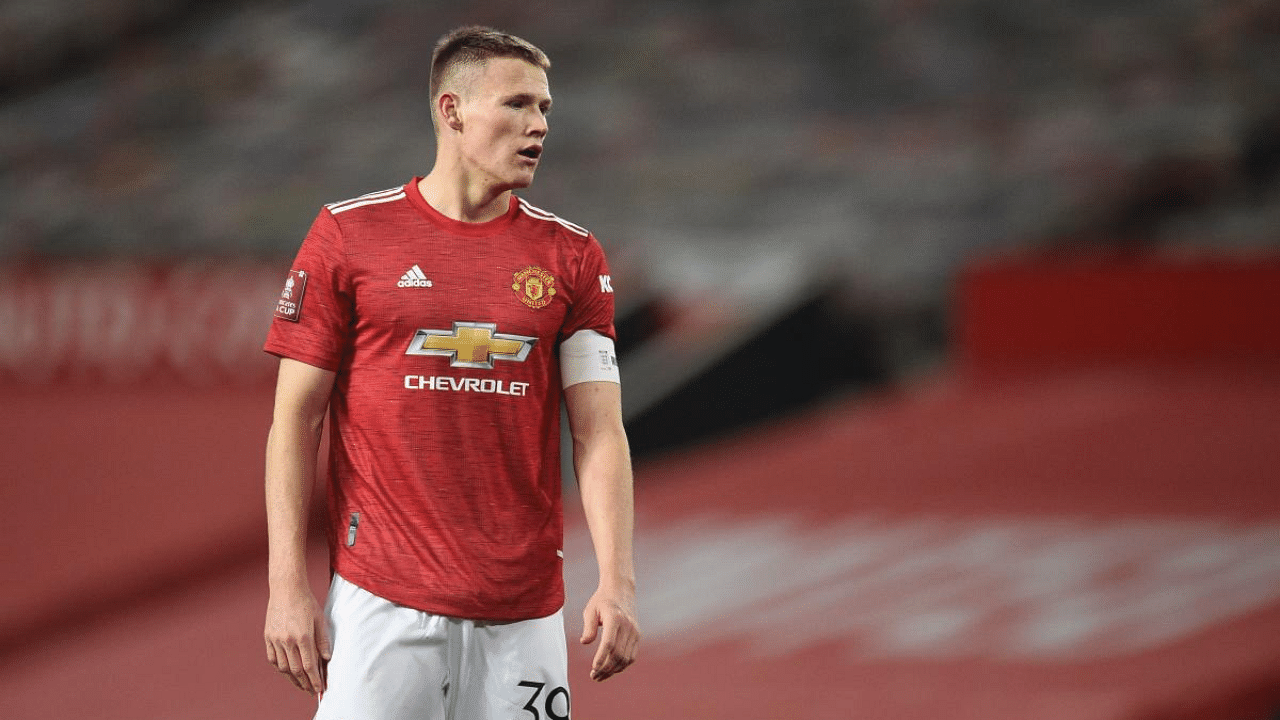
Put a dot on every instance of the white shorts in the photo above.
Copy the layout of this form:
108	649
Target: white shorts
391	662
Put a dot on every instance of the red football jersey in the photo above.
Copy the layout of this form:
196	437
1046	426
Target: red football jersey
444	468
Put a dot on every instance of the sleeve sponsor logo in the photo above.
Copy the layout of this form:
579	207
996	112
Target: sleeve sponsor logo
289	306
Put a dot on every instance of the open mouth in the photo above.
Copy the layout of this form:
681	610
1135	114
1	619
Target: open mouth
533	153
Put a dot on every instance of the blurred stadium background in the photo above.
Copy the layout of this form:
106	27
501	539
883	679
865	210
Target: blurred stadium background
950	336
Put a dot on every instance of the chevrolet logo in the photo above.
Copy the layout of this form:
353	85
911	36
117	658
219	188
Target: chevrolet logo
471	345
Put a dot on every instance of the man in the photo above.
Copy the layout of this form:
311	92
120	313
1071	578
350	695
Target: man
439	323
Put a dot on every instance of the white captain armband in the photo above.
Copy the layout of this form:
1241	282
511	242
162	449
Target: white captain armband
588	356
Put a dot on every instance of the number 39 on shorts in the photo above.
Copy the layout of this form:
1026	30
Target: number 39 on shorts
555	706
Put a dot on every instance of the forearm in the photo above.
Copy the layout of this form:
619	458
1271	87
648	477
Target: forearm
290	481
605	480
603	462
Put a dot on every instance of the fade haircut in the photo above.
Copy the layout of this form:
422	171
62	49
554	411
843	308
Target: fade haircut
474	45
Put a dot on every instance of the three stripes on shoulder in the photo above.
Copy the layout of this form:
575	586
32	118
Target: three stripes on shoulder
398	193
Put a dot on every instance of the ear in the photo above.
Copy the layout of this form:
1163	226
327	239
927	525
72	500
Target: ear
449	112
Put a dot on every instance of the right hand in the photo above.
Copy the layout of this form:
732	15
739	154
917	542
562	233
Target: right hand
297	638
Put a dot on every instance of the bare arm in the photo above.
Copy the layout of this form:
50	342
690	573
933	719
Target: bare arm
296	636
603	462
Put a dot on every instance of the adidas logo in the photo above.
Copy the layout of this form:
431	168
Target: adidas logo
413	278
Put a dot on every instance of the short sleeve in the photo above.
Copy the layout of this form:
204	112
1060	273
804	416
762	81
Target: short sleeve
593	304
313	314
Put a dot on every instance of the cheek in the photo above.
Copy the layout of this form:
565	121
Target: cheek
483	147
487	138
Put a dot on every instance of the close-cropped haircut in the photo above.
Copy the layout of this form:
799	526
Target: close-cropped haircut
474	45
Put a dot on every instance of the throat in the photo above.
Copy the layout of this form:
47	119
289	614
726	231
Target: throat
457	202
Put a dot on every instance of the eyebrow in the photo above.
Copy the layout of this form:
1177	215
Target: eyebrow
529	97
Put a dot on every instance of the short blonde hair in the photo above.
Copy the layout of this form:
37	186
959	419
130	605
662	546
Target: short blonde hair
473	45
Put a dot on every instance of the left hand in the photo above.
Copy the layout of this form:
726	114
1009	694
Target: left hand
611	615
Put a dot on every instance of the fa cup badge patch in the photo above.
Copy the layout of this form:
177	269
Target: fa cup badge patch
289	306
534	286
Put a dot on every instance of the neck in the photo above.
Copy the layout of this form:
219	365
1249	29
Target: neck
452	196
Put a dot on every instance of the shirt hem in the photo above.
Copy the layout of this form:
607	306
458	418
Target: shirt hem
369	583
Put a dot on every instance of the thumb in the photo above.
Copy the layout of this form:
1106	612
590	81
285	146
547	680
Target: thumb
590	624
322	639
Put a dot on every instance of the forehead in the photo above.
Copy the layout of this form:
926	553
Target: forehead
511	76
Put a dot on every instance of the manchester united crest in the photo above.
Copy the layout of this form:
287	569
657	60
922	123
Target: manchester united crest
534	286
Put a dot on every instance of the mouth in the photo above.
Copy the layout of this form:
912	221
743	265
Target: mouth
533	152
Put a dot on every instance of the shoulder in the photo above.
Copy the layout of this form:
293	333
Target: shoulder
552	223
366	218
346	224
373	202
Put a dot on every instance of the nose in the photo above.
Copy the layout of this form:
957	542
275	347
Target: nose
538	127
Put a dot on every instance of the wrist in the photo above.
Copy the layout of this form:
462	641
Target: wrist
288	580
618	582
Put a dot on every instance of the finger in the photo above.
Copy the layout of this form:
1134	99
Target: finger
626	657
311	667
633	643
633	648
602	664
323	644
282	667
278	656
325	648
621	657
616	664
296	683
603	651
598	670
298	669
625	645
281	657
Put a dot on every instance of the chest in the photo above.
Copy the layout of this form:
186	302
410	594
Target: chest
439	282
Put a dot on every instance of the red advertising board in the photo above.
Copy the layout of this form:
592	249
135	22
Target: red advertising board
201	323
